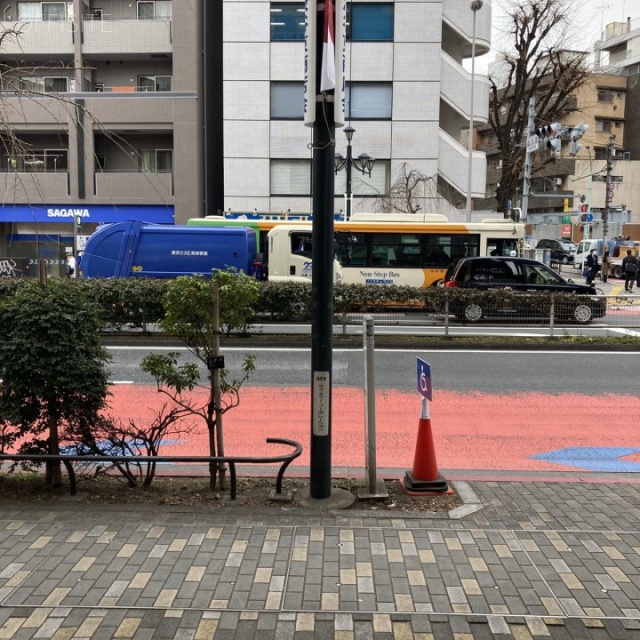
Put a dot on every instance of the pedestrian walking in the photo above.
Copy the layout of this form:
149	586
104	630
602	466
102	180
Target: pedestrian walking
593	266
630	269
71	266
606	266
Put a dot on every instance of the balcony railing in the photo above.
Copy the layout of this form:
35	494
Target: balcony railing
455	87
458	14
453	161
52	37
134	187
127	36
29	186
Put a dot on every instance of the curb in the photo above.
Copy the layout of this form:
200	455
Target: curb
559	343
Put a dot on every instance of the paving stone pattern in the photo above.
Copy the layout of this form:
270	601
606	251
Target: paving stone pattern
507	569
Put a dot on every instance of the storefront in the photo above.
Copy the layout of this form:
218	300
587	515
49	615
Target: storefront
48	232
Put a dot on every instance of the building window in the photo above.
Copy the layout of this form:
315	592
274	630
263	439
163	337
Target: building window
154	83
156	160
368	101
290	177
44	11
287	21
600	153
363	185
363	101
604	126
369	22
158	10
604	95
45	84
287	101
40	161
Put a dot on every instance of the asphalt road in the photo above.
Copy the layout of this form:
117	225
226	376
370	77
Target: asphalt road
498	372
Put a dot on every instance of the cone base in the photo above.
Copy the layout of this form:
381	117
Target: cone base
415	486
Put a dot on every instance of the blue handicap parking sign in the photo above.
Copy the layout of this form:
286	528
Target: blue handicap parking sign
424	379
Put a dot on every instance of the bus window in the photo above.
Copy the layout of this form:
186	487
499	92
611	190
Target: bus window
351	249
501	246
301	244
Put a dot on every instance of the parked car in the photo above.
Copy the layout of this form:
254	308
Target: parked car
571	247
558	252
525	282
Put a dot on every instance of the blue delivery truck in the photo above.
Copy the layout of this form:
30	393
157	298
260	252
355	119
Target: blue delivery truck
140	249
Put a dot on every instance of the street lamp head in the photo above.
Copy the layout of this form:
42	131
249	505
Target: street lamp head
349	131
475	5
338	162
365	163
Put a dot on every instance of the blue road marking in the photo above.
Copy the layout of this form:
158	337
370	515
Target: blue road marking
604	459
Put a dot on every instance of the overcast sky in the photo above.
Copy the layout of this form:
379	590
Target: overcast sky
591	17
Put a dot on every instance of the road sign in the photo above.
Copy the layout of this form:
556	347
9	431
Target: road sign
424	380
533	142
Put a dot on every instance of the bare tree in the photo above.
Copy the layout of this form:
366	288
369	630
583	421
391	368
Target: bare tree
411	192
538	65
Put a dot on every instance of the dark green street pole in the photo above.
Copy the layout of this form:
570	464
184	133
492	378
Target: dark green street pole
323	187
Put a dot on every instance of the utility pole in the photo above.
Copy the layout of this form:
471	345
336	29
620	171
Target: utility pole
609	192
528	159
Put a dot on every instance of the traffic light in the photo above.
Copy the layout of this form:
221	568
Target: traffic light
584	214
543	134
575	133
555	138
551	137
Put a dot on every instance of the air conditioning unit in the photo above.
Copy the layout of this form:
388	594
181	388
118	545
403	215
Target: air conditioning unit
626	155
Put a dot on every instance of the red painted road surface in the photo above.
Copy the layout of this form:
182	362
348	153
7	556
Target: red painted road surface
470	431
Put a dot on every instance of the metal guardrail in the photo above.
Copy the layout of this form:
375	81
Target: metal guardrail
622	311
232	461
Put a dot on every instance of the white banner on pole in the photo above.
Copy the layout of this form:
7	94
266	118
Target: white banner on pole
334	12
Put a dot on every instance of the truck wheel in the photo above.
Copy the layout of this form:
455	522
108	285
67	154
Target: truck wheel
617	271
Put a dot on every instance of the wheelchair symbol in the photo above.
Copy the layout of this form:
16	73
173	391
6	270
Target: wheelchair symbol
424	379
424	384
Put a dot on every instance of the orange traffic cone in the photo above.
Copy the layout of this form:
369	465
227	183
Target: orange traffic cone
425	478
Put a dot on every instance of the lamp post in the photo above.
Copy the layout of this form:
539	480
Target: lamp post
475	6
363	163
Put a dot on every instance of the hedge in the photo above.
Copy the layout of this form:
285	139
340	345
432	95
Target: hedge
136	303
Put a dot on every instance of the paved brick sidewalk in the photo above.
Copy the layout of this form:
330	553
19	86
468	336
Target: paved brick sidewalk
519	560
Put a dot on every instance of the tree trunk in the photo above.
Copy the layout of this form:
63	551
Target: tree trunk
216	392
53	477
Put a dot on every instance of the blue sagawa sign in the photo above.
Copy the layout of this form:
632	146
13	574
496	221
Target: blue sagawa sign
87	213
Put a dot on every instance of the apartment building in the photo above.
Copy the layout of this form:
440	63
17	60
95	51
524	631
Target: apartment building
110	107
562	184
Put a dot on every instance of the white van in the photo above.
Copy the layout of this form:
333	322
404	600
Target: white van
618	253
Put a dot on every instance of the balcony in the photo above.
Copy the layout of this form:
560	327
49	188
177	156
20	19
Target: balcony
40	39
455	88
453	162
459	17
105	38
25	187
133	188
